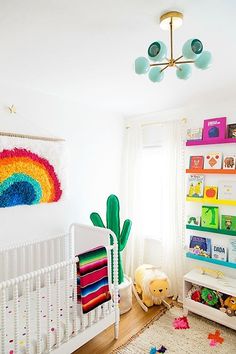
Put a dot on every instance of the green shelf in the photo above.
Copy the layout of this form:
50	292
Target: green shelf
208	229
210	260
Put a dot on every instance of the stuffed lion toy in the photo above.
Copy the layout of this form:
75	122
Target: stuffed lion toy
152	285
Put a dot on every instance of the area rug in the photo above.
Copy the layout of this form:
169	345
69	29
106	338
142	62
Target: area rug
181	341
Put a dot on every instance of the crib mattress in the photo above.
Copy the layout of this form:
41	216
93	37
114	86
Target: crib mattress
33	324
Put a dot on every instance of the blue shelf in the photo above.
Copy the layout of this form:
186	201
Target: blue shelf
210	260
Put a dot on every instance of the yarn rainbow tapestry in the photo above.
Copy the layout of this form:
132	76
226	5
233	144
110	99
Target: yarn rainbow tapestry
27	178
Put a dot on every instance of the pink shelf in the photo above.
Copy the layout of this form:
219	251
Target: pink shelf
211	142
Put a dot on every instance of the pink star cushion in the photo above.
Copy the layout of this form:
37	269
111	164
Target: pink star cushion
181	323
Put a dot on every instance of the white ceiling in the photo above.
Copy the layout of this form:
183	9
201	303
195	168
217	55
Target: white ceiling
84	50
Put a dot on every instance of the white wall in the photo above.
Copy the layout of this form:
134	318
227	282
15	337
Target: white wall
195	116
94	143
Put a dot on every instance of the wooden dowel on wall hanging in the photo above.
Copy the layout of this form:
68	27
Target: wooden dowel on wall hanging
32	137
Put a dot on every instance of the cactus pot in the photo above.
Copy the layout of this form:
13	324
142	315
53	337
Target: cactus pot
125	294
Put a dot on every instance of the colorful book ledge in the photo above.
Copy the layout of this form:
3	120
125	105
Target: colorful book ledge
210	142
209	201
210	260
208	229
211	171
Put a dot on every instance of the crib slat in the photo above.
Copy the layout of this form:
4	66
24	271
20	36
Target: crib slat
3	320
29	257
38	305
62	248
6	265
75	301
96	315
51	252
67	304
109	306
23	260
45	253
48	286
14	263
89	319
27	295
116	295
38	254
102	311
16	318
58	273
58	250
82	316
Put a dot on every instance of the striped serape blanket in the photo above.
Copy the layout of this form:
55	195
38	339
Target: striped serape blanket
92	279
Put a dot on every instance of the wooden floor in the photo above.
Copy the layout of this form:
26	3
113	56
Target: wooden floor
131	323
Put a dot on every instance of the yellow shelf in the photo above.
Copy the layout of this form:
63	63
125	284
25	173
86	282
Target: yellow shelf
211	201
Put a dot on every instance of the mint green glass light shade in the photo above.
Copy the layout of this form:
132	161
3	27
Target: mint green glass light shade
192	48
157	51
141	65
184	71
155	74
204	60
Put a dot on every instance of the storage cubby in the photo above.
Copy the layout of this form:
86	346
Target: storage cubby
225	285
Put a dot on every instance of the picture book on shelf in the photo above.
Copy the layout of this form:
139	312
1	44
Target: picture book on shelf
228	222
214	129
210	217
232	130
232	251
193	220
196	162
219	250
194	134
227	190
210	192
229	162
195	186
213	160
201	246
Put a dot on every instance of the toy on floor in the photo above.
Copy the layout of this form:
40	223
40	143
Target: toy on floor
215	338
181	323
213	343
154	350
152	285
229	306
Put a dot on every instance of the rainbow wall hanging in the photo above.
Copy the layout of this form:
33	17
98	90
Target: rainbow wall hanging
27	178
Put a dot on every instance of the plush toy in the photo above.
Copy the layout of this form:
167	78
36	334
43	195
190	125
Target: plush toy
210	297
195	293
196	296
230	305
151	284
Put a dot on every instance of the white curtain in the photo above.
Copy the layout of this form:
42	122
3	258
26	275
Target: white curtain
171	202
133	254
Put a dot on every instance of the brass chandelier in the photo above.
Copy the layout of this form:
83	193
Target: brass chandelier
192	53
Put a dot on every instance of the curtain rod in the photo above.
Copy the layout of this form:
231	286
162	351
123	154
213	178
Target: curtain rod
146	124
183	120
33	137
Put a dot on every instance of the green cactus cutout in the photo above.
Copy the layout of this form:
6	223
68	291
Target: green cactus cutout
113	223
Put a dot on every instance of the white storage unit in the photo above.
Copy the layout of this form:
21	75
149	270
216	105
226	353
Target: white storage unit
225	285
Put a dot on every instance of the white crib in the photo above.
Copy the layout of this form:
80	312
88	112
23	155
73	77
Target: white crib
38	285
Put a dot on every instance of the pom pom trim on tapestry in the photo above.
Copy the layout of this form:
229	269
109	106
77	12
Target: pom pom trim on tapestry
27	178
